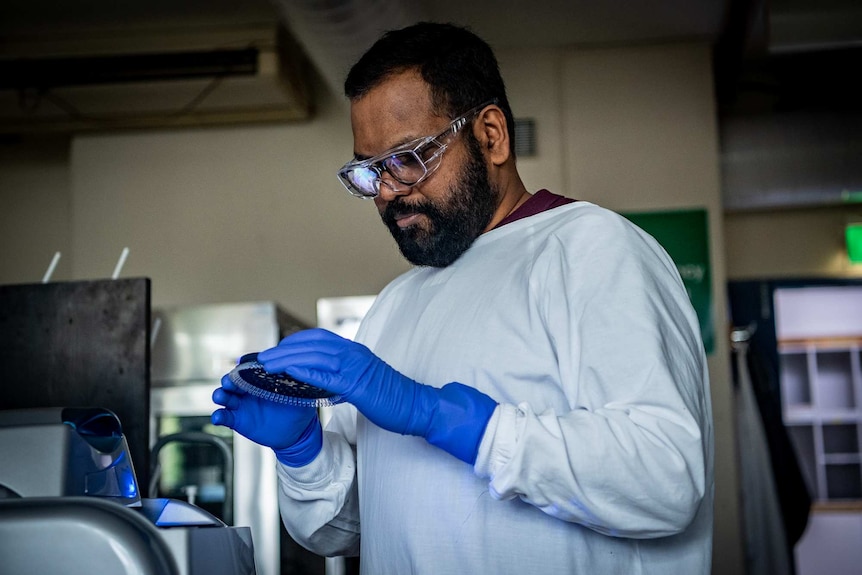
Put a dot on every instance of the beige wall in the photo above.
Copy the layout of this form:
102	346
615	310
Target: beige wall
805	242
230	214
255	213
534	84
34	220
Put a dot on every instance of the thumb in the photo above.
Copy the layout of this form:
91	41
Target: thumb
222	417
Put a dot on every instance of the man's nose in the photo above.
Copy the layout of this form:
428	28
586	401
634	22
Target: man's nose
390	188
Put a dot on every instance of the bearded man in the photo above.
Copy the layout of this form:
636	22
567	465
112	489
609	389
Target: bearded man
531	397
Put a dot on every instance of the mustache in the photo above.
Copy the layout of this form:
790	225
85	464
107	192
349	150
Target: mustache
399	207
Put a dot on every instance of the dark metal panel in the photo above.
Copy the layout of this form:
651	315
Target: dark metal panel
80	344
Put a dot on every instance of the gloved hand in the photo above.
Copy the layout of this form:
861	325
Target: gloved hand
293	432
453	417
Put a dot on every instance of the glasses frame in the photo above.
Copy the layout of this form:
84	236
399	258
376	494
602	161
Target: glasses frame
377	164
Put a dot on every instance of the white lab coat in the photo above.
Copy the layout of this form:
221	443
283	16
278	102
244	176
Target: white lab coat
597	460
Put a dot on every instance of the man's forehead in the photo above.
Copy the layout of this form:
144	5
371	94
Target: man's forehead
401	97
396	111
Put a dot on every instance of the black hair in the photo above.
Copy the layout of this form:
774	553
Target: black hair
459	67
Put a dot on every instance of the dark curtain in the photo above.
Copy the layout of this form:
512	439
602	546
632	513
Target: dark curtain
751	305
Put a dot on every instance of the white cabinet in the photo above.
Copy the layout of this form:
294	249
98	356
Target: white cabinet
819	332
818	329
821	388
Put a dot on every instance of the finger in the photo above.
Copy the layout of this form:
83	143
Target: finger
222	417
228	384
287	350
289	362
330	381
225	398
310	339
313	335
311	348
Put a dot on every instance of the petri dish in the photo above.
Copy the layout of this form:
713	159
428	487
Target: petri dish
250	376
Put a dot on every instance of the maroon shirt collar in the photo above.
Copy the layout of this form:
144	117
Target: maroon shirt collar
539	202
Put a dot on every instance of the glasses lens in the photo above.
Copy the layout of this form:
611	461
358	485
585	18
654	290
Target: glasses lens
362	180
406	167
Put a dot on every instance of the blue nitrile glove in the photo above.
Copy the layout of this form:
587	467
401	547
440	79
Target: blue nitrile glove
453	417
293	432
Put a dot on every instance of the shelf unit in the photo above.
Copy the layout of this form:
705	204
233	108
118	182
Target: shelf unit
821	389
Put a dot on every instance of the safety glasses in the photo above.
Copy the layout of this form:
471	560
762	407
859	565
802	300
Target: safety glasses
408	164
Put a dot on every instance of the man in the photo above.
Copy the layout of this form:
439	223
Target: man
532	397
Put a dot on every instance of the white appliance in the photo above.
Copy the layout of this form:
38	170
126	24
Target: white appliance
193	347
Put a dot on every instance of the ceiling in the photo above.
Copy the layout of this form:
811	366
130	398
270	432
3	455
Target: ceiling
335	32
742	30
788	23
502	22
769	55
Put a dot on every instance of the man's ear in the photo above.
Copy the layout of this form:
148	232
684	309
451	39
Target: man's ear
493	135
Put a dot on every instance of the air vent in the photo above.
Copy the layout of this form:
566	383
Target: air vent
525	137
153	80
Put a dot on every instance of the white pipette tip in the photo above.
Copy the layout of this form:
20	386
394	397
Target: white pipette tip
120	263
51	267
157	324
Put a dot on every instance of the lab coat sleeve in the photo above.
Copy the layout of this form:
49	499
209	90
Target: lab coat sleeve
318	502
631	457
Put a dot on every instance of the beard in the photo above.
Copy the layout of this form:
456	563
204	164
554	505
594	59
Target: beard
454	222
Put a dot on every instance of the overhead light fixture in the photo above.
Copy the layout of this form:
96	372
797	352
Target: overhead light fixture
853	237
